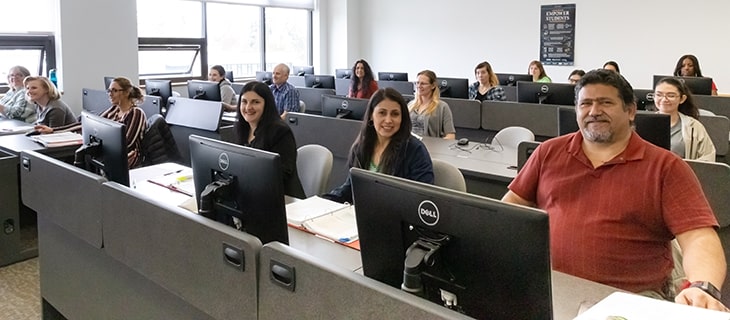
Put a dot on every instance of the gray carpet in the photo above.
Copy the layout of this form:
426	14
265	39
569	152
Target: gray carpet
20	293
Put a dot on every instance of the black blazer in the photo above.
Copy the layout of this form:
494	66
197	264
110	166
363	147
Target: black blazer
277	137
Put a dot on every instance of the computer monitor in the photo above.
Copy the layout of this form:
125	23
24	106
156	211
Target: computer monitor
644	99
453	87
229	75
204	90
241	182
343	73
511	79
104	151
546	93
95	101
696	85
319	81
302	70
393	76
342	107
264	76
651	126
159	88
108	81
404	87
487	258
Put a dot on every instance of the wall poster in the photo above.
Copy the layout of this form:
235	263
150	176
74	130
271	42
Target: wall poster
557	34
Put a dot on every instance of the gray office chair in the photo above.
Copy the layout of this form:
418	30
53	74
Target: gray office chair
704	112
302	106
715	180
448	176
512	136
314	164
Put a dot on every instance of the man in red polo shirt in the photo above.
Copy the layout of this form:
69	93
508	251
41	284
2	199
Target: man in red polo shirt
616	201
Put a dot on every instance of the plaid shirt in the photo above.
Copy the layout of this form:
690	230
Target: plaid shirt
494	93
286	97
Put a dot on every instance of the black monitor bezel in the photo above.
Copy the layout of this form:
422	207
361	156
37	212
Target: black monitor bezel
255	185
511	79
501	250
696	85
453	87
335	109
111	136
393	76
557	93
159	87
204	90
302	70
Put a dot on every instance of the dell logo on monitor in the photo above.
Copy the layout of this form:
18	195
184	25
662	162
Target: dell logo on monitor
650	96
344	104
444	83
511	78
223	161
428	213
544	88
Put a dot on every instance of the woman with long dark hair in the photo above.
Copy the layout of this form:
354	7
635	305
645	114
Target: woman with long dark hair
362	82
385	144
259	126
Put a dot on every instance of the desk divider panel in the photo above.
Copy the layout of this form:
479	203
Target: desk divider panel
9	209
188	116
337	135
541	119
312	98
152	105
718	105
718	128
467	113
211	266
510	92
95	101
323	291
63	194
342	86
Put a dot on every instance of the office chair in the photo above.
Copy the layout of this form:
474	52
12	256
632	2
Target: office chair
512	136
302	106
314	164
704	112
448	176
715	180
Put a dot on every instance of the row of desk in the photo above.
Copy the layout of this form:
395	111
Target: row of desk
119	253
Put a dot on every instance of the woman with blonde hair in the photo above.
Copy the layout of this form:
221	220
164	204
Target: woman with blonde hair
51	110
430	116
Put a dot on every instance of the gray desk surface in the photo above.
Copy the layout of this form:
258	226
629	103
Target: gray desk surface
476	159
18	142
11	126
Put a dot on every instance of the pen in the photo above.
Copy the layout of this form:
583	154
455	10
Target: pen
171	187
173	172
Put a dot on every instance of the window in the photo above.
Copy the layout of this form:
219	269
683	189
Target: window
35	52
180	39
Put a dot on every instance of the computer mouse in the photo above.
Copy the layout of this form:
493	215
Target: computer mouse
32	133
463	141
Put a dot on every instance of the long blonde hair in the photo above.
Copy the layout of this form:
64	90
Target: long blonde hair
435	94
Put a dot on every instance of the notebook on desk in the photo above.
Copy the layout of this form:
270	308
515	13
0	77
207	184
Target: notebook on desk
59	139
621	305
329	219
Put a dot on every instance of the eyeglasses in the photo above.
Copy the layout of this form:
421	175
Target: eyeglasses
15	75
113	90
668	96
421	84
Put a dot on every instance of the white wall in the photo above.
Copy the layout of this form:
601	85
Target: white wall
644	37
338	37
94	39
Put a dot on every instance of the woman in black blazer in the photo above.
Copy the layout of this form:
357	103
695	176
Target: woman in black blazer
259	126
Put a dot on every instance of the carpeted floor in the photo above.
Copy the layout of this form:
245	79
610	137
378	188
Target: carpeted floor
20	293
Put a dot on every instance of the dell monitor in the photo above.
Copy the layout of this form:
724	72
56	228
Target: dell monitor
204	90
264	76
319	81
345	108
453	87
644	99
343	73
482	257
511	79
95	101
393	76
546	93
651	126
232	181
696	85
104	151
108	81
159	88
302	70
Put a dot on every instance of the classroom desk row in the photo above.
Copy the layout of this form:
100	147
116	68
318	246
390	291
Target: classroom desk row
156	260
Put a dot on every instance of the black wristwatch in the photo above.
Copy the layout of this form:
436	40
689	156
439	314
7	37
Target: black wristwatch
708	287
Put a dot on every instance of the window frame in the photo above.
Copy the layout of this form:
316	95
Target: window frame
155	44
44	42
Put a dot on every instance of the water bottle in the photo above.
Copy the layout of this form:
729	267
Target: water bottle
52	77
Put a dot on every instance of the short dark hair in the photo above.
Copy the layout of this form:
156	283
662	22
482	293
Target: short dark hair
607	77
220	69
579	72
612	63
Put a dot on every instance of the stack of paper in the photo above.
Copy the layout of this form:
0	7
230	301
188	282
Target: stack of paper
621	305
339	226
180	180
302	210
59	139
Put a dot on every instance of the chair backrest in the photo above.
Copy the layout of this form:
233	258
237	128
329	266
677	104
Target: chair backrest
715	180
158	144
512	136
704	112
302	106
314	164
448	176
